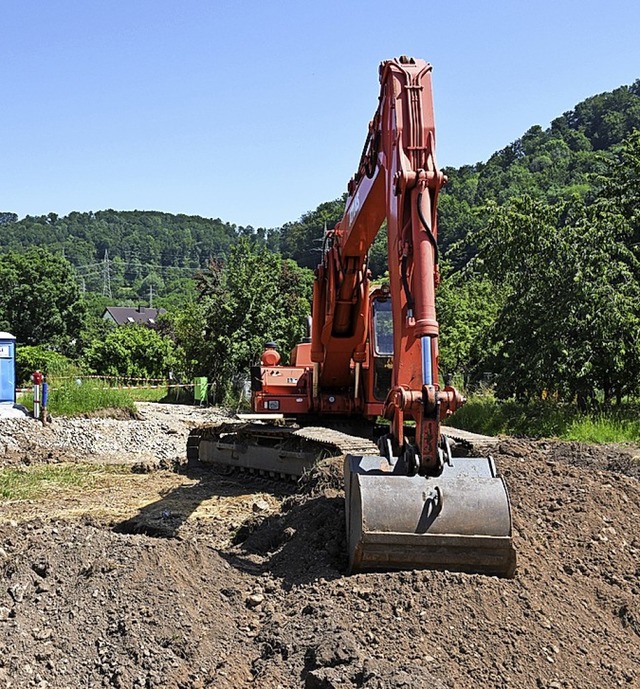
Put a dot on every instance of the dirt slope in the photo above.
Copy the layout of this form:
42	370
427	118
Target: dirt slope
194	580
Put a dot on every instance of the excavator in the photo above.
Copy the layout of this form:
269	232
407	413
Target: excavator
373	352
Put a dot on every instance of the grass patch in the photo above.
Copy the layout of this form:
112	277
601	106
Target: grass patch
69	398
148	394
35	481
546	419
603	429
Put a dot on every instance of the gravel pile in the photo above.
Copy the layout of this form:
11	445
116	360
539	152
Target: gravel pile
159	434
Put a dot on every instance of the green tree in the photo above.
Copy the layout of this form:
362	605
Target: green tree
186	327
620	184
302	239
467	306
571	316
37	358
133	351
250	299
40	300
378	254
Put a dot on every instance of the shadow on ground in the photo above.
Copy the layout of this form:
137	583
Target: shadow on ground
165	517
301	542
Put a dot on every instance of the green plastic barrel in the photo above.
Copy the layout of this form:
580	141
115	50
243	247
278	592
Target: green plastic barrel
200	387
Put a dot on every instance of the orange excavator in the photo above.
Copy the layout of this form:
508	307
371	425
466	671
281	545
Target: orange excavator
410	502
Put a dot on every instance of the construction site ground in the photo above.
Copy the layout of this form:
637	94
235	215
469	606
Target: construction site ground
144	571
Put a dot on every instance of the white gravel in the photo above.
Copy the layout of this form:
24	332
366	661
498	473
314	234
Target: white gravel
160	434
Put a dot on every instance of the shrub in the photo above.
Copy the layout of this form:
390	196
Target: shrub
132	351
39	358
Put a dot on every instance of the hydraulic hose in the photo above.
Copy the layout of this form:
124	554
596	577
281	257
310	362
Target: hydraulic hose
430	234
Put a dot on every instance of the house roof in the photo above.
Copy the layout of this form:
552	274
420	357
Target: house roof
125	315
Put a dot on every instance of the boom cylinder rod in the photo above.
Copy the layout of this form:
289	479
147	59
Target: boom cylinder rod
314	380
427	372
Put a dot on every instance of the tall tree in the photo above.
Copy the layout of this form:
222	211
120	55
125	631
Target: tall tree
246	301
40	300
571	316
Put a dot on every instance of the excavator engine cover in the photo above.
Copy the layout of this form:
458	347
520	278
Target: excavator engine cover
460	520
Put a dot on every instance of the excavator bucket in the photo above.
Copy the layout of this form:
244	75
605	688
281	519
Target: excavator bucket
460	520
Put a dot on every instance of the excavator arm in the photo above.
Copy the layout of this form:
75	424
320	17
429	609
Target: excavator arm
397	180
416	505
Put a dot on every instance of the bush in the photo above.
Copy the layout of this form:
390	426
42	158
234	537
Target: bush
133	351
483	413
39	358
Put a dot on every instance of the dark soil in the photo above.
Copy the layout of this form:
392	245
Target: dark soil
89	602
121	413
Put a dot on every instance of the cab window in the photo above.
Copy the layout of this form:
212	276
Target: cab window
382	328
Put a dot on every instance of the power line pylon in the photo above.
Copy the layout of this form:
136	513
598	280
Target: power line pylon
106	276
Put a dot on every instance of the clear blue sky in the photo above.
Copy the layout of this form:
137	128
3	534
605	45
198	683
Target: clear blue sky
256	112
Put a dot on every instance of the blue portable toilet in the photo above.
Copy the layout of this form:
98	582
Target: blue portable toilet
7	369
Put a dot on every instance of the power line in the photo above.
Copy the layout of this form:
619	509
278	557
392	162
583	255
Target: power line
89	265
93	271
147	266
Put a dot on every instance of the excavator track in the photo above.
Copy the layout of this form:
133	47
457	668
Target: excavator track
286	450
278	451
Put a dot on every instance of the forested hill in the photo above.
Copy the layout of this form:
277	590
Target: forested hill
553	164
128	256
147	237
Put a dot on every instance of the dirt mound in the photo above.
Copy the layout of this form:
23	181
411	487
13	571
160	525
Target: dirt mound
98	602
120	413
83	606
325	477
571	617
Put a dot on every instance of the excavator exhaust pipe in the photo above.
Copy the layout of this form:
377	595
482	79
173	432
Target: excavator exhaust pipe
460	520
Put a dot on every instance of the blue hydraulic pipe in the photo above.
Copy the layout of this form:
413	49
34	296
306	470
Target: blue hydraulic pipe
427	374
